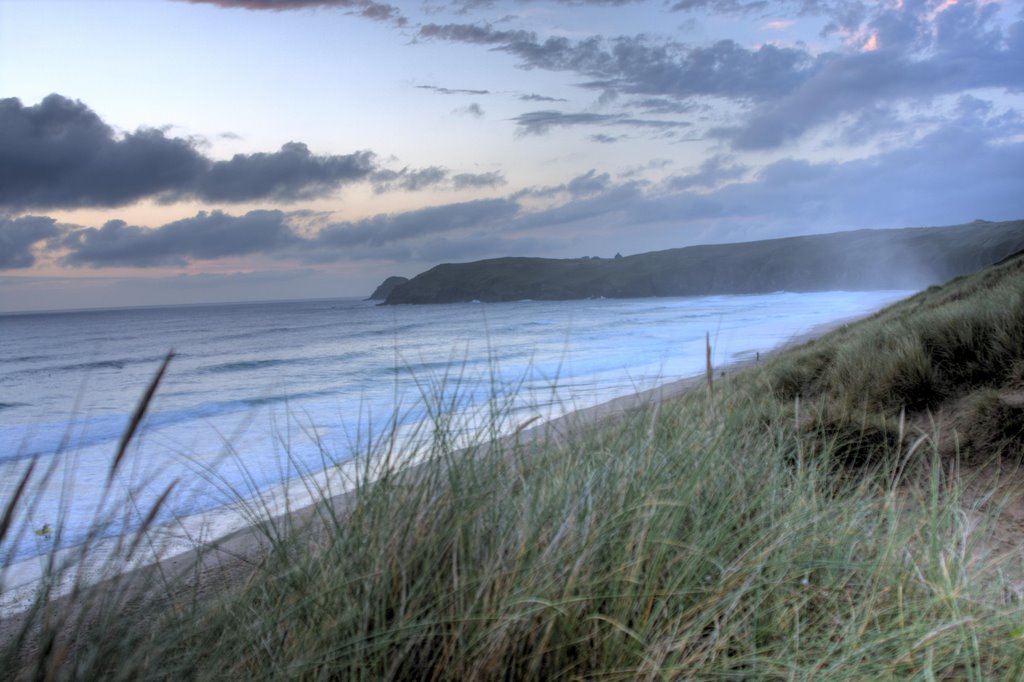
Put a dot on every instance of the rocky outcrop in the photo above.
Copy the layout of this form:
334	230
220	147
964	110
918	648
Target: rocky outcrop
384	290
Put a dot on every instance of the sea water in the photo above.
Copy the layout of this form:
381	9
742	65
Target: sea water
260	393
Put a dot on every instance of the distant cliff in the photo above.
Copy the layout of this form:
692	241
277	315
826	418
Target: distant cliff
908	258
385	288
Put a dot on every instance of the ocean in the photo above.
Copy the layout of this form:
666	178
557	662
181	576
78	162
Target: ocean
260	393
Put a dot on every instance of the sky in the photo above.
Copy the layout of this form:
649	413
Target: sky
183	151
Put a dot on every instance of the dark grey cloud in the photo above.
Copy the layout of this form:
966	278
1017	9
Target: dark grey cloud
921	183
785	91
725	6
377	11
60	154
604	139
478	180
892	20
855	85
540	98
409	180
724	68
917	60
845	14
541	122
474	110
474	33
291	174
18	236
664	105
539	191
274	234
452	91
652	123
463	6
205	236
433	177
642	65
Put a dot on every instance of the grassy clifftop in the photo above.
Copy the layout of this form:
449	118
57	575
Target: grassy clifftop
809	518
861	260
956	351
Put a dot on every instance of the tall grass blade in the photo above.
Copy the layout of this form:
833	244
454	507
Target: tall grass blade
12	505
140	412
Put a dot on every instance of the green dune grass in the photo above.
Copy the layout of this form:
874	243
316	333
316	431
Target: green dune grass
810	520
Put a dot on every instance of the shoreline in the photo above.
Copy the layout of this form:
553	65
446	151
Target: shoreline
192	555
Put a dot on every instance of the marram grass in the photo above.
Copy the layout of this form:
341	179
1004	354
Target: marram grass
724	538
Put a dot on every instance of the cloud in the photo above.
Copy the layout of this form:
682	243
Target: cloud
924	50
653	164
216	235
664	105
541	122
604	139
474	110
206	236
376	11
919	57
433	177
451	91
844	15
60	154
725	6
920	184
969	165
641	65
288	175
588	183
713	171
462	6
478	180
588	213
408	180
540	98
18	236
386	228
